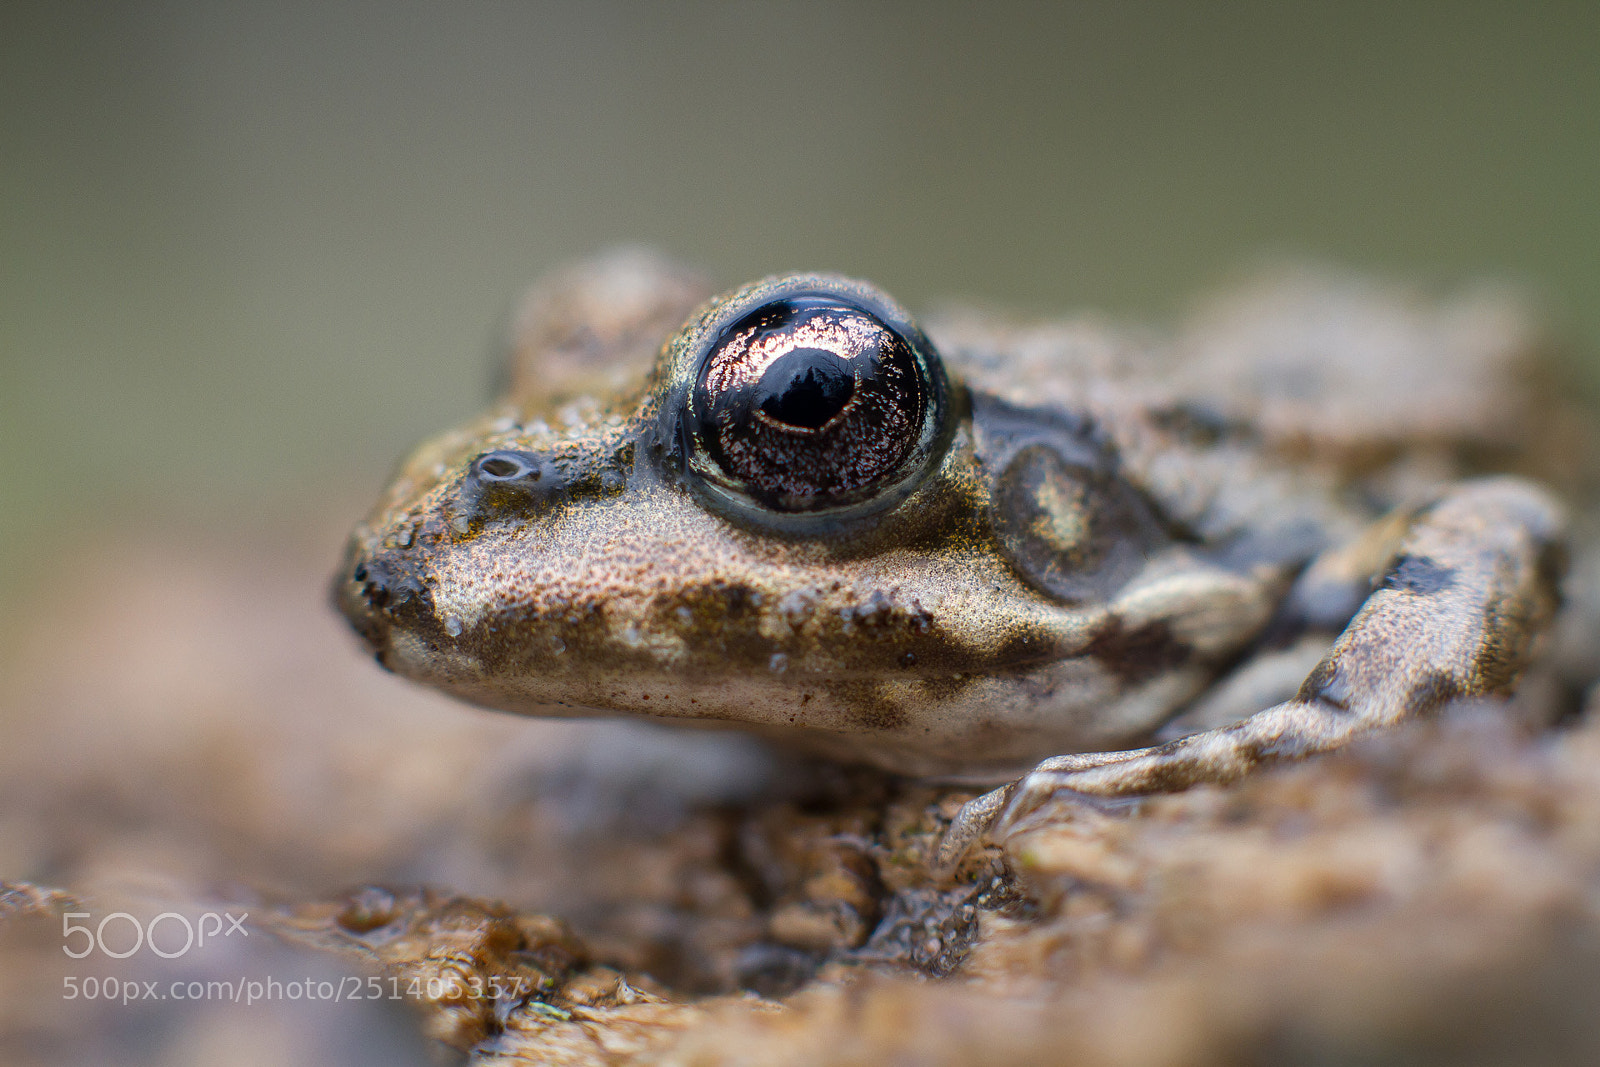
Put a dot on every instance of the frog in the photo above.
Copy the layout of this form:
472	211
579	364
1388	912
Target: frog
1073	561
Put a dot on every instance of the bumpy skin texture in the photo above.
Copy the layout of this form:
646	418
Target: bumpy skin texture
1108	529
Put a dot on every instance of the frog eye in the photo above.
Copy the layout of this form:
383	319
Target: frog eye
814	401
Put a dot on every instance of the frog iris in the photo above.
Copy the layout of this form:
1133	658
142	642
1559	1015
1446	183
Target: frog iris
815	401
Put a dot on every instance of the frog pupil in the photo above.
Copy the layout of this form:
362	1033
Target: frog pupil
806	388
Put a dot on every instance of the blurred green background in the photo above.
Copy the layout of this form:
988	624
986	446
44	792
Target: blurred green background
253	252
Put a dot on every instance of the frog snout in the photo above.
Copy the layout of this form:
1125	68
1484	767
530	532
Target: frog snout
386	585
376	591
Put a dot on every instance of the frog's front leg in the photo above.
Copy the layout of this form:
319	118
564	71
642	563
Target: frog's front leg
1454	615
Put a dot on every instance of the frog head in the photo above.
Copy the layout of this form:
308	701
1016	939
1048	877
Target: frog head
799	520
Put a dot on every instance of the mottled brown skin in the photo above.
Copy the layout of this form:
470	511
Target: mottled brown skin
1453	616
1107	527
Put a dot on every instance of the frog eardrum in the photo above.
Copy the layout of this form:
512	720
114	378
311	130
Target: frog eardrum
811	400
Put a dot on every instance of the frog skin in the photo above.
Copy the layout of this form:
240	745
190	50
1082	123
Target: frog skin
1147	561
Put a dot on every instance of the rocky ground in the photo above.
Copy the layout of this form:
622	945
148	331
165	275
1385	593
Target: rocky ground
184	727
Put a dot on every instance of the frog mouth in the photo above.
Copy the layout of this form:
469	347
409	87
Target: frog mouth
720	629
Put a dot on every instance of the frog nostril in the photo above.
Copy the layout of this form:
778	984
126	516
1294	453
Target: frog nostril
505	467
504	482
